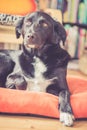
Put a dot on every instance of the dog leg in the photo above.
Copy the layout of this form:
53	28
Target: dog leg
66	114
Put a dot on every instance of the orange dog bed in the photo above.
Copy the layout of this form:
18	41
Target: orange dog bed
23	102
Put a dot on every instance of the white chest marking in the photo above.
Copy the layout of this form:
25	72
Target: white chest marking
39	67
38	82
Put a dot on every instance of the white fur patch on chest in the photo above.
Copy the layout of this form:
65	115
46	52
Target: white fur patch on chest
39	68
39	83
36	83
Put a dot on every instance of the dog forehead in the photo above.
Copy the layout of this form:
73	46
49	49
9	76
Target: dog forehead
39	16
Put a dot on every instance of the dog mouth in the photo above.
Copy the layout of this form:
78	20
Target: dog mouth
37	44
32	45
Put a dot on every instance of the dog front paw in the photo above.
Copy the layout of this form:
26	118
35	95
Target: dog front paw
66	118
15	81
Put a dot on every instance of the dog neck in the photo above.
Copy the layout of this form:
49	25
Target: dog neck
40	51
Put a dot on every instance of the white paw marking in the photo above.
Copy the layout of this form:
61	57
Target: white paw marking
66	118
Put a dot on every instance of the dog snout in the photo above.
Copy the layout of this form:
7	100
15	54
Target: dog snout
30	40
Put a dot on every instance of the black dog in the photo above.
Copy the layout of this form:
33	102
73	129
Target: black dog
42	64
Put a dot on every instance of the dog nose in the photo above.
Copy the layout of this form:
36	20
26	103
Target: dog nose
30	36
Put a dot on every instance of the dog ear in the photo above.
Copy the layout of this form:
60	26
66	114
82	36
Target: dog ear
59	33
18	28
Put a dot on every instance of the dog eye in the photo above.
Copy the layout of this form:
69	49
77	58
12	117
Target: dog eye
28	23
44	24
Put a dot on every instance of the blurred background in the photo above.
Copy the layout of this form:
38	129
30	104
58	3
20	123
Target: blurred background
71	13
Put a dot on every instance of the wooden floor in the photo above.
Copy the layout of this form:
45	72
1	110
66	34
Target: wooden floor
34	123
9	122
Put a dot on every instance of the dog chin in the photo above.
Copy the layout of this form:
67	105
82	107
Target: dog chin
33	46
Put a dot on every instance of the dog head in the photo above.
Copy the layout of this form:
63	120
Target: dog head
39	28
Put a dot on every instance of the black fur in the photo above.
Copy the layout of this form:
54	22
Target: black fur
40	30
